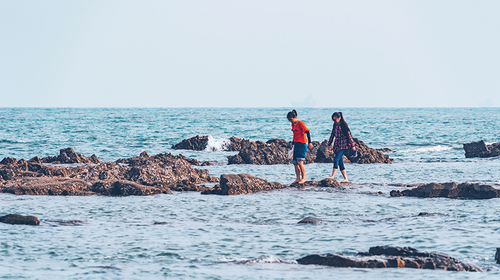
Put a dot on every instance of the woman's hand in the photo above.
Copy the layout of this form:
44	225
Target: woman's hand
310	146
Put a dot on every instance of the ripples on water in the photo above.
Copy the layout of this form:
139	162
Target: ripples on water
188	235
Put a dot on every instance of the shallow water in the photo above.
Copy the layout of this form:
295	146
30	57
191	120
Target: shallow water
255	236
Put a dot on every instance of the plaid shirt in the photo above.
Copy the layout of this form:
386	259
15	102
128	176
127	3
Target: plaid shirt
341	142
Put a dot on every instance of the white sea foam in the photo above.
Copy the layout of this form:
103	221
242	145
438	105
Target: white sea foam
263	259
432	149
215	145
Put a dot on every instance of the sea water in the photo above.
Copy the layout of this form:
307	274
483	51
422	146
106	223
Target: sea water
254	236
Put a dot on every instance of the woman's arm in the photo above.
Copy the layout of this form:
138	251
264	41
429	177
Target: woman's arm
331	136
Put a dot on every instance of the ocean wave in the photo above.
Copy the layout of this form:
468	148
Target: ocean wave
263	259
216	145
432	149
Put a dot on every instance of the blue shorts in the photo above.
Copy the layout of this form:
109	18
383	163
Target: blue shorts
299	152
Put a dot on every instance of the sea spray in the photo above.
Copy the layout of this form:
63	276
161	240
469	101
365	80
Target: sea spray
216	145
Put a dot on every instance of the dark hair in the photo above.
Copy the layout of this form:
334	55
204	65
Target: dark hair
343	124
292	114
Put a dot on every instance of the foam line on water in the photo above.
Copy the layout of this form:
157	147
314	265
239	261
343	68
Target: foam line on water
432	149
216	145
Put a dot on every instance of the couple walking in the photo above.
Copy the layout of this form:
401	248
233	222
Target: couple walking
343	142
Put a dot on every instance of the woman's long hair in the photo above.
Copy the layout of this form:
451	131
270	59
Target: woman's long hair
343	124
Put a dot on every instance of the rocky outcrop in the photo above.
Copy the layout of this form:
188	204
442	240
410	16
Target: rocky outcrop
365	154
234	184
451	190
480	149
275	151
237	144
197	143
391	257
141	175
68	155
15	219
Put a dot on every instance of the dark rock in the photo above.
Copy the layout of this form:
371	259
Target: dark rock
46	186
234	184
68	155
497	256
426	214
9	161
237	144
365	154
310	220
368	155
127	188
188	186
142	175
331	183
15	219
387	256
451	190
480	149
35	160
275	151
7	174
197	143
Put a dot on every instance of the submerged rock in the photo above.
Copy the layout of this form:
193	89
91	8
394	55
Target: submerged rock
480	149
234	184
15	219
451	190
310	220
388	256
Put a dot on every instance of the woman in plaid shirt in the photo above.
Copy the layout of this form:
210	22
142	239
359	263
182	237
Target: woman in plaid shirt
343	141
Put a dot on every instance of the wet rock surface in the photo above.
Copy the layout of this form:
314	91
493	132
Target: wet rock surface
391	257
234	184
15	219
450	190
480	149
141	175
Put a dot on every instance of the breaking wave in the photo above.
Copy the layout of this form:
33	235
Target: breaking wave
217	145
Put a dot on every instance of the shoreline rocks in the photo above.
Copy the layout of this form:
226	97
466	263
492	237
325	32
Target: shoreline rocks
275	151
141	175
391	257
450	190
234	184
480	149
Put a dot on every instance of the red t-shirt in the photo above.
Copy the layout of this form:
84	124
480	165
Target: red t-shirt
299	132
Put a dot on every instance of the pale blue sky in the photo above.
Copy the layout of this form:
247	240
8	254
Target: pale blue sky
249	53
